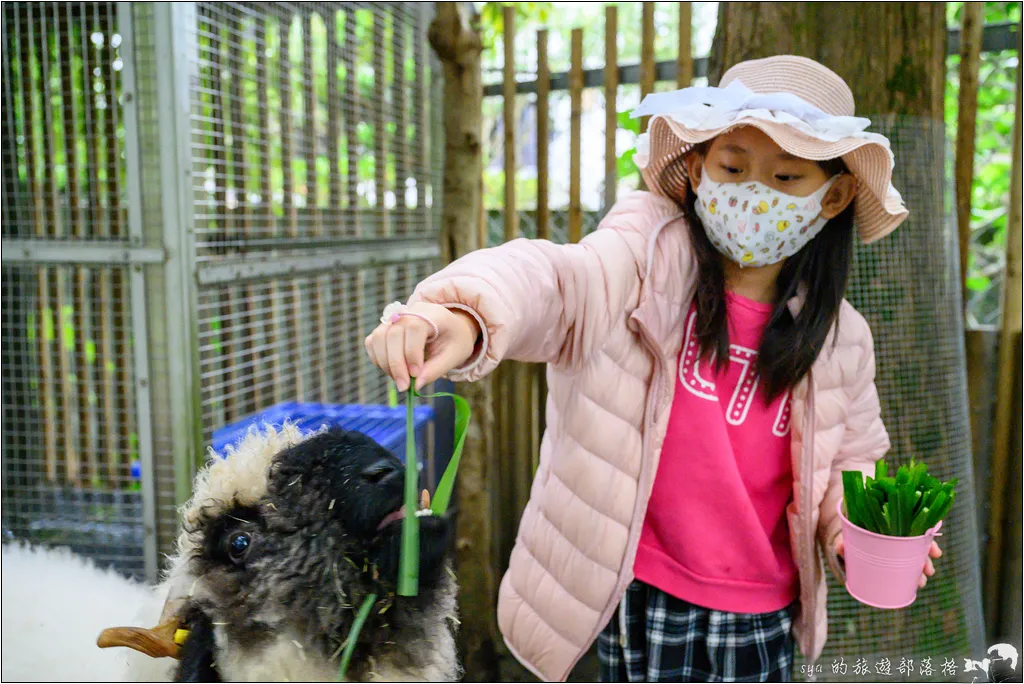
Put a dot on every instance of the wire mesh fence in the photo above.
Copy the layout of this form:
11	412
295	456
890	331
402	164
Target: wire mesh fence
64	176
907	286
70	455
147	148
309	124
311	130
71	445
293	339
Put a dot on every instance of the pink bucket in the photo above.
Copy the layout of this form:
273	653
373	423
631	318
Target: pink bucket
883	571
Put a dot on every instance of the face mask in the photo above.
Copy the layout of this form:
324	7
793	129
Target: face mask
755	225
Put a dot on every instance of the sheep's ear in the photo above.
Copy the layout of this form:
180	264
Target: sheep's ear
196	658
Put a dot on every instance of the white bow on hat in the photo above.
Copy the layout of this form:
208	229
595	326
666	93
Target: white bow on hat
706	108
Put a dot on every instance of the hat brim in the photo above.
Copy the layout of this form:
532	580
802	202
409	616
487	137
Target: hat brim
878	208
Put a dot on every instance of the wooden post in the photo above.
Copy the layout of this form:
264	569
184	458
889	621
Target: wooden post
99	192
71	95
234	327
334	116
292	296
30	47
517	414
611	91
684	58
458	46
56	217
543	116
270	229
967	112
509	110
354	281
1008	336
506	377
646	57
402	149
321	352
575	116
383	284
543	213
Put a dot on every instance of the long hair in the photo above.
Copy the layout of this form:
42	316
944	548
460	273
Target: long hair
788	346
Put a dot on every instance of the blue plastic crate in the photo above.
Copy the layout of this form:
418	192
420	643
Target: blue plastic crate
384	424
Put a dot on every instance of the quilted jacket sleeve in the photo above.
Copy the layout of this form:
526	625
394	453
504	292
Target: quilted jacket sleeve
541	302
865	440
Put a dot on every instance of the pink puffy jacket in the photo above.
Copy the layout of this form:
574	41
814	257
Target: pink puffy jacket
607	316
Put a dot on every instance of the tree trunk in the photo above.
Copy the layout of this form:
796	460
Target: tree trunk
892	55
457	44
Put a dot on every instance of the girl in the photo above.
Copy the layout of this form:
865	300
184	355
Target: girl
707	382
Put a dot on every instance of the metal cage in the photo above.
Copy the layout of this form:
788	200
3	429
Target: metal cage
206	206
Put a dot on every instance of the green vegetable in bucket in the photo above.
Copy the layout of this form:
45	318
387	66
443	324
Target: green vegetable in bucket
409	561
906	505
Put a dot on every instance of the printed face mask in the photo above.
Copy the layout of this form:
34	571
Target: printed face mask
755	225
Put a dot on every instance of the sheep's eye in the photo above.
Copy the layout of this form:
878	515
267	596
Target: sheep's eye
238	546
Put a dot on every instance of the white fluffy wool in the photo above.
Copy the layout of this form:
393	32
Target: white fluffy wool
55	604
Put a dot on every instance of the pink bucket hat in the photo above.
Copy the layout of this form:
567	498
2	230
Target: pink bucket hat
804	107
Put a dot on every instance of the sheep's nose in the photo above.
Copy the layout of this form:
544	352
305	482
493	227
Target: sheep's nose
381	471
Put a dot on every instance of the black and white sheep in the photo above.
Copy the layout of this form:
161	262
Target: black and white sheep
280	543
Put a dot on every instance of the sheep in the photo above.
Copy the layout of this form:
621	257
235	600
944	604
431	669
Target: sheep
279	545
55	603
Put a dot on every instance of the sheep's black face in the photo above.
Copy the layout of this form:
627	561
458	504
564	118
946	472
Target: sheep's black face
295	566
348	485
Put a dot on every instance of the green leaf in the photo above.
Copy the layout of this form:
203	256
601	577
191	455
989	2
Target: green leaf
976	283
876	518
409	561
918	500
920	524
353	635
853	495
408	564
626	122
48	327
937	510
443	494
881	469
887	485
945	508
67	326
624	165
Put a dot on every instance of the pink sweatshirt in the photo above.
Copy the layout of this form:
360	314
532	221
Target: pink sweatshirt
716	533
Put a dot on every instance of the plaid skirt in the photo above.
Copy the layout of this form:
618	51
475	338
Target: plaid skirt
655	637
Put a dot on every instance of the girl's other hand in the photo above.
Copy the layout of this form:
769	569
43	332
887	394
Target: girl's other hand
929	568
404	349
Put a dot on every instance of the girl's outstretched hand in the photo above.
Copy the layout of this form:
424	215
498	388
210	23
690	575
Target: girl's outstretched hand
407	348
929	568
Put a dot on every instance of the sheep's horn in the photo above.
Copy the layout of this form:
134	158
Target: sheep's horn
158	642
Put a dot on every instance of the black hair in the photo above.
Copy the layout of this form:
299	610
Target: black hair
196	658
788	346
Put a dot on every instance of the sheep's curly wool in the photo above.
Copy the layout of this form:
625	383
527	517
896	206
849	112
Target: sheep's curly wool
281	542
55	603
